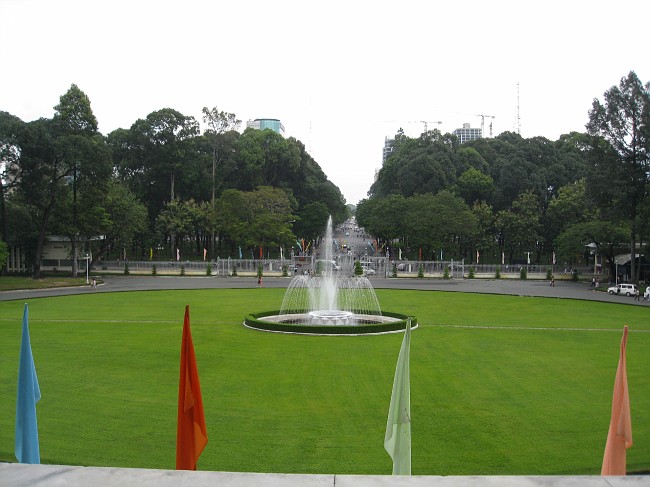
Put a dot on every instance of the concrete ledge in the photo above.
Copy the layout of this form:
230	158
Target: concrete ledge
22	475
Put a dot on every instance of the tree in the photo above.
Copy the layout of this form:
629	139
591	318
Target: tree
622	165
572	243
569	206
127	217
519	228
39	175
312	219
88	160
256	219
219	124
474	186
160	153
9	157
417	166
4	253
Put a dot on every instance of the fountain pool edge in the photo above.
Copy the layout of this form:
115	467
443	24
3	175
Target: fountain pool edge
273	321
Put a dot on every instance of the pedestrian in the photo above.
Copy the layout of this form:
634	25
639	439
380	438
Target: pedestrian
259	281
94	282
646	294
636	294
552	281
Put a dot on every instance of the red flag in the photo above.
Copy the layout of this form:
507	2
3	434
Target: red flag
619	437
191	433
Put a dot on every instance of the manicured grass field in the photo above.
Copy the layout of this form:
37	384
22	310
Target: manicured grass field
499	384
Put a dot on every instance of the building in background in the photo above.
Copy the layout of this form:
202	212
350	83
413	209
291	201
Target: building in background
467	133
266	123
388	148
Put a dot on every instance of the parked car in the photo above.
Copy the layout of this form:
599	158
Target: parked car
367	271
627	289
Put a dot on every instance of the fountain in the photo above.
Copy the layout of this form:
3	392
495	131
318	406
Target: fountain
329	303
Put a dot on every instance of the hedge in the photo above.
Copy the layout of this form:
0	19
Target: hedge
255	320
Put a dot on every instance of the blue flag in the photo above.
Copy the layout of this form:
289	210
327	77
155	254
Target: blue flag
26	446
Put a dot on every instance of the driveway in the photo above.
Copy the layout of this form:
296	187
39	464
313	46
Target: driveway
516	287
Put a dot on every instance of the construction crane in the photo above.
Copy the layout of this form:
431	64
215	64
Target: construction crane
483	124
426	125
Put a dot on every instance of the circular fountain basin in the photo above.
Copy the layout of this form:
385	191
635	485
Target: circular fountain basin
332	323
331	317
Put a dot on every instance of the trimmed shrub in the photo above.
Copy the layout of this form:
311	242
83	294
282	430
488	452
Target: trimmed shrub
256	320
126	269
497	274
471	274
394	273
182	270
549	274
154	270
445	274
260	271
234	271
523	273
420	271
358	270
208	269
285	271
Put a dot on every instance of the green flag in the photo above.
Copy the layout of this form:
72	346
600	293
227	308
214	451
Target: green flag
397	441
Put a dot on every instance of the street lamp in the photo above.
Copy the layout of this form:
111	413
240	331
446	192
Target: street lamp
87	259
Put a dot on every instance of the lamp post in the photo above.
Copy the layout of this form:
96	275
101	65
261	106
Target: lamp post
87	259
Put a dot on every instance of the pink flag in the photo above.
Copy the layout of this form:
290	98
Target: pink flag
205	252
178	254
619	437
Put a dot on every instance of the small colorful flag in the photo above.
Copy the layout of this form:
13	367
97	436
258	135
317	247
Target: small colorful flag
619	436
26	444
397	440
191	432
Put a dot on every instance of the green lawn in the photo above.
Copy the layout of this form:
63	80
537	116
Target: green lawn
499	384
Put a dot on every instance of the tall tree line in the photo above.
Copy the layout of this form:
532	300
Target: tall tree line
518	197
161	181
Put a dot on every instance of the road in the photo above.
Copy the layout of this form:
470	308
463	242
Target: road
516	287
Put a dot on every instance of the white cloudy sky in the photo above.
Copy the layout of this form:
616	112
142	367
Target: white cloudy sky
341	75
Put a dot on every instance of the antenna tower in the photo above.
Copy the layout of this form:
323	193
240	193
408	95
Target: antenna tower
518	118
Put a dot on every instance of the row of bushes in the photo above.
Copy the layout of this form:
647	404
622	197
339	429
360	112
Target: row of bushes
256	320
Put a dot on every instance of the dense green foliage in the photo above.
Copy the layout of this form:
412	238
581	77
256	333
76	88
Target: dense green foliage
501	385
508	196
156	185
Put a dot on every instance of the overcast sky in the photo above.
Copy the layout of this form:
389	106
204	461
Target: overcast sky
340	75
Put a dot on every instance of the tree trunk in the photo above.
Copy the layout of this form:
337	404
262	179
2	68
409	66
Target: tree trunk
3	219
633	266
74	256
41	240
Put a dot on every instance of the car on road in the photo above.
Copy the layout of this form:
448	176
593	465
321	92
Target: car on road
367	271
627	289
